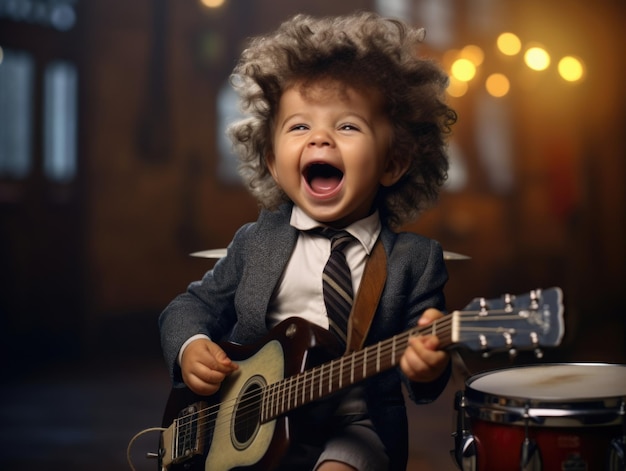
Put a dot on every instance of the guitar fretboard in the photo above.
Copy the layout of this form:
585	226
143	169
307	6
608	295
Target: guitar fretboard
324	380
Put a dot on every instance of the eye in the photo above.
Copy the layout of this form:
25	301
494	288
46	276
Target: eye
298	127
349	127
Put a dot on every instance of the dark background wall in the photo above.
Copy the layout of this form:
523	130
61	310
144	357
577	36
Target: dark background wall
87	265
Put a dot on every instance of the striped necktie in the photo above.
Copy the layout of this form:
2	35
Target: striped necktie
337	284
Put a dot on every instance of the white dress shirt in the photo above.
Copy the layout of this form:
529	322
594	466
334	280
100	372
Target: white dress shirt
303	273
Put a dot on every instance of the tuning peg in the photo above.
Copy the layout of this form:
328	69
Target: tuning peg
534	299
508	303
483	307
534	338
484	346
512	353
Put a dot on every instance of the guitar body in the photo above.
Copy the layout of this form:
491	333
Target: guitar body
227	430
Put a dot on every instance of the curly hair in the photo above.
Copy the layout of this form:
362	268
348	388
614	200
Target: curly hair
363	49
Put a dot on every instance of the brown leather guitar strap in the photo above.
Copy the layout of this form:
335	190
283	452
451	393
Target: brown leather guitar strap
367	298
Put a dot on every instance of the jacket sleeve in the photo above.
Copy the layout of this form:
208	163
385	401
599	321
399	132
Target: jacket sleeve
427	292
207	307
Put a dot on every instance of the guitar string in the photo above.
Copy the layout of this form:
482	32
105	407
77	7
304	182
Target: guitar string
508	314
300	380
304	380
410	332
297	382
289	387
279	388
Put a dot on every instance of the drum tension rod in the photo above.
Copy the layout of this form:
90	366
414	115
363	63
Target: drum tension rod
530	459
464	452
617	453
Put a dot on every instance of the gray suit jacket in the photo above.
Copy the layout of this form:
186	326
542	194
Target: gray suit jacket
231	301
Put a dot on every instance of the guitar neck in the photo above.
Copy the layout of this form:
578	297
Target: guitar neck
328	378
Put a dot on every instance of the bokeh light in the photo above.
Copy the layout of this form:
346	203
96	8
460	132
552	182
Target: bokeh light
537	58
465	64
509	44
571	68
463	70
212	3
457	88
497	85
473	53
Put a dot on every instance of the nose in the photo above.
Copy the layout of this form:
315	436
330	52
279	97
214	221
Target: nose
320	138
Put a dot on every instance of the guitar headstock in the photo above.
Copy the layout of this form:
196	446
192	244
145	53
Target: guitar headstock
511	323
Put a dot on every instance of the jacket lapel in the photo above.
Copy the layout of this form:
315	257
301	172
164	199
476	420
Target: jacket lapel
272	245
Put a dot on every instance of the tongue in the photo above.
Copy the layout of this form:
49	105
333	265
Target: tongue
327	184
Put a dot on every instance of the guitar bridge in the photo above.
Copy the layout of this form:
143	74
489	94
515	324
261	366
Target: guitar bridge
186	438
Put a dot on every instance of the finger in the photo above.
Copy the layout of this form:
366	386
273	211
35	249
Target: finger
208	354
428	316
206	374
220	361
420	362
203	380
201	387
428	342
422	353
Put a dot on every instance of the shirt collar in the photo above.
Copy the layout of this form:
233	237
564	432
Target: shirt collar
365	230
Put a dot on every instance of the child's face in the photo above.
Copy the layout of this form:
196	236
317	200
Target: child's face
330	150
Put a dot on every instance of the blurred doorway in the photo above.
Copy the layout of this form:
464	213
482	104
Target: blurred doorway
41	197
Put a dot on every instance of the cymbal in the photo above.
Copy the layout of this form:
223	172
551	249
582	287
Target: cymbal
447	255
213	253
219	253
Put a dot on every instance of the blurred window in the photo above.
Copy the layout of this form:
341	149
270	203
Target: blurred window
227	113
60	121
17	71
60	117
57	14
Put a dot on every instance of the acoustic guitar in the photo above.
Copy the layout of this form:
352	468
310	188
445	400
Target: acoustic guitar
247	423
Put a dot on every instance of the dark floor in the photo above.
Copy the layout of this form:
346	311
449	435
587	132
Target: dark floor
80	415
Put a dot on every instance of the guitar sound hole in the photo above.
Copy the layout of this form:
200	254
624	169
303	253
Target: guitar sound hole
247	416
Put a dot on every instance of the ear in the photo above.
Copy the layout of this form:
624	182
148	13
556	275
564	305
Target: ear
394	171
270	161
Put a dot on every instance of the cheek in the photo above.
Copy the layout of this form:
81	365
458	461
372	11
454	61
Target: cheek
284	171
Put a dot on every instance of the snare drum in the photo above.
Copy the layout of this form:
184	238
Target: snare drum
566	417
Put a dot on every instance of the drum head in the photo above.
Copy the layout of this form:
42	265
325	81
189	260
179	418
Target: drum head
549	395
555	382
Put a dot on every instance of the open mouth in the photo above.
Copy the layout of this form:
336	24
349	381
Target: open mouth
323	178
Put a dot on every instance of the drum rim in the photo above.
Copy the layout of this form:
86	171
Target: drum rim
521	410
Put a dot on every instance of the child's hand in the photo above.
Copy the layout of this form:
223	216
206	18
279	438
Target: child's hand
204	366
422	361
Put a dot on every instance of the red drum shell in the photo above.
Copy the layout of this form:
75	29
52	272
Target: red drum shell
571	411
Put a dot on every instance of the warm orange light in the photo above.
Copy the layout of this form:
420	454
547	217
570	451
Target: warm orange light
212	3
474	54
449	57
537	58
463	70
571	68
497	85
509	44
456	88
